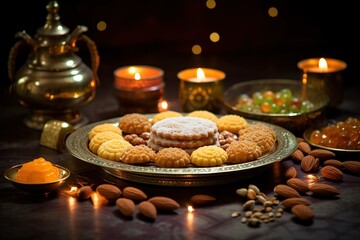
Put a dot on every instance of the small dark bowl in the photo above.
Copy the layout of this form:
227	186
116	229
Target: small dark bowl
37	187
294	122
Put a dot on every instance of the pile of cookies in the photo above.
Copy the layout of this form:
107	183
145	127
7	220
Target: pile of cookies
171	139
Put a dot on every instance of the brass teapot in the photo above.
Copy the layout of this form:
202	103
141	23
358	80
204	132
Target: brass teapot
53	83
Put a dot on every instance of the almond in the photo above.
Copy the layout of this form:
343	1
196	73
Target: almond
202	199
134	193
332	173
333	162
164	203
147	209
291	172
297	155
84	192
304	147
352	166
309	163
126	206
285	191
109	191
302	212
322	154
290	202
323	190
299	185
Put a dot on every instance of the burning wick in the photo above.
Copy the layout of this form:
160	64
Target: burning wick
163	105
72	192
190	209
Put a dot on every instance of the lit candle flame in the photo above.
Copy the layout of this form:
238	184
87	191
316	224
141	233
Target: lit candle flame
323	64
190	209
98	200
137	76
72	192
200	73
163	105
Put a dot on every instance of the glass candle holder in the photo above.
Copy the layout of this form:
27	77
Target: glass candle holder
138	88
201	89
325	74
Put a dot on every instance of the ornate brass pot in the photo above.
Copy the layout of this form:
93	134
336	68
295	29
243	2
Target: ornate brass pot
53	83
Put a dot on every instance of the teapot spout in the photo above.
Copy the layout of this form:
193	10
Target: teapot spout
27	38
76	33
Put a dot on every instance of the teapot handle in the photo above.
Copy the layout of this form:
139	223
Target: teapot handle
12	58
95	58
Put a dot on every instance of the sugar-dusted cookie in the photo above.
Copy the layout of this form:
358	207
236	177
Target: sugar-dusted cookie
164	115
136	123
158	148
203	114
184	143
102	128
208	156
100	138
139	154
232	123
172	158
242	151
113	149
184	128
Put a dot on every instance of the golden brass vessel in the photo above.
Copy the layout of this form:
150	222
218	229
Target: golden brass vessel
54	83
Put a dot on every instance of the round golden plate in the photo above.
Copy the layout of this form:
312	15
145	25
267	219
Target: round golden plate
77	145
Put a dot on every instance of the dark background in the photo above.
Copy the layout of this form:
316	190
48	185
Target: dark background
161	33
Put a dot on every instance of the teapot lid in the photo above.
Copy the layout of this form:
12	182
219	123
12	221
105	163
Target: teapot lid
53	26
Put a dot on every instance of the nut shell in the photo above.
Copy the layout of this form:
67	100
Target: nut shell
332	173
299	185
290	202
125	206
147	209
323	190
134	193
285	191
352	166
164	203
109	191
202	199
84	192
302	212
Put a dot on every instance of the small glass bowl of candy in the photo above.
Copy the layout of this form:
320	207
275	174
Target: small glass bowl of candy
339	136
284	102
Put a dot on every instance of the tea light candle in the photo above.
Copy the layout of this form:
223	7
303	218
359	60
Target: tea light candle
139	88
326	74
322	65
135	77
201	89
